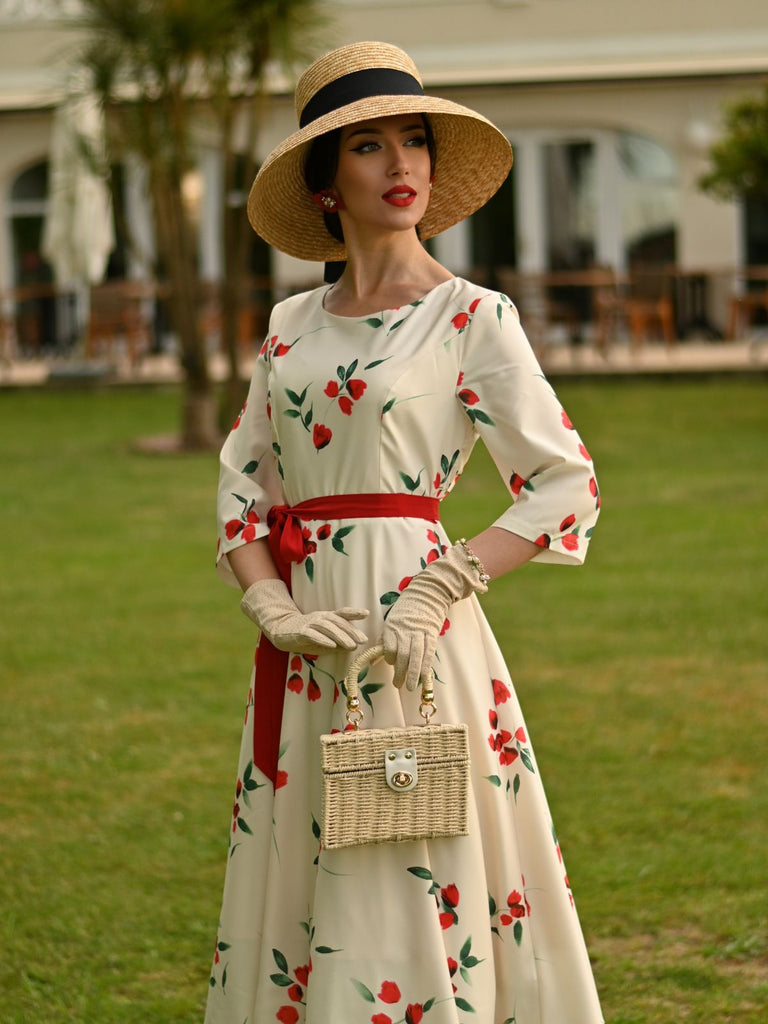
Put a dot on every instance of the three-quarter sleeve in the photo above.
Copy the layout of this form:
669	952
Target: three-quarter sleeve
249	481
543	461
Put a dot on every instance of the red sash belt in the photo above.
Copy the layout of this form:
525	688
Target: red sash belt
286	542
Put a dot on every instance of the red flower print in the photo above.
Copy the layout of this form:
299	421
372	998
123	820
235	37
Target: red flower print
414	1013
381	1018
452	966
501	692
332	389
583	451
287	1015
460	379
432	537
520	734
295	683
460	321
543	540
236	424
232	528
249	533
436	484
493	719
446	920
566	420
516	908
296	663
324	532
516	483
345	404
450	895
313	691
508	756
446	626
474	304
295	992
570	541
468	397
356	388
281	779
281	350
389	993
404	583
321	436
568	521
302	974
593	487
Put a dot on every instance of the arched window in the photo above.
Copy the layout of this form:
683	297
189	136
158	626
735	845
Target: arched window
650	200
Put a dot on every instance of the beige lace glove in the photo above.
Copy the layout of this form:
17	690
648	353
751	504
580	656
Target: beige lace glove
269	604
412	627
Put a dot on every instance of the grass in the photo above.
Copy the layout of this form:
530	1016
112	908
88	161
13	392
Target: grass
124	663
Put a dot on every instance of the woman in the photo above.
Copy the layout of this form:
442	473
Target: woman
366	400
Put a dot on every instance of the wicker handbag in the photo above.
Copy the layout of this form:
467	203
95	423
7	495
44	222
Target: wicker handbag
393	785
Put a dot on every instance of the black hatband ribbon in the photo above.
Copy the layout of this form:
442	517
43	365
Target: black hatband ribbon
359	85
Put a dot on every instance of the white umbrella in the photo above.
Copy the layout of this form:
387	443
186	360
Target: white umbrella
79	231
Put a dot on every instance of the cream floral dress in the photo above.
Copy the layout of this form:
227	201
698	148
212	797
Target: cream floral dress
476	930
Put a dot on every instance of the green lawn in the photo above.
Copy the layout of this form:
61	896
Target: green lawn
123	675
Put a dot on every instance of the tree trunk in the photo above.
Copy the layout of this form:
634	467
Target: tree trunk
199	428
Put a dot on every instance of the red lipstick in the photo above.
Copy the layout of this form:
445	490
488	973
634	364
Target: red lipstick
400	195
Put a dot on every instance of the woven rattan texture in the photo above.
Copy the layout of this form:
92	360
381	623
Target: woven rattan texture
360	808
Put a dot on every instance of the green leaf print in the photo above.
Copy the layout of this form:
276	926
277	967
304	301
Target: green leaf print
494	780
516	786
424	873
388	406
363	990
376	362
280	960
309	565
374	321
243	825
251	467
517	931
409	483
462	1004
281	979
292	413
478	414
327	949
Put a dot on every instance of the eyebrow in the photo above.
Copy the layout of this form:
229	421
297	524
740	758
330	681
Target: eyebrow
418	126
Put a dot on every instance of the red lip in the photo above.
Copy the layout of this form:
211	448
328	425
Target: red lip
400	195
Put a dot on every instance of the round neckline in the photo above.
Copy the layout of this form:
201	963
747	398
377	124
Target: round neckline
381	312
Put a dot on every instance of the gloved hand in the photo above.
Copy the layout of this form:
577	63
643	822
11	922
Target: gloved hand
269	604
412	627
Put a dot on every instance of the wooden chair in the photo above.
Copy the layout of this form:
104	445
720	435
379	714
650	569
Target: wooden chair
649	307
120	313
746	303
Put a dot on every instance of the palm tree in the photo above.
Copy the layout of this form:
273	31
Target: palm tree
163	68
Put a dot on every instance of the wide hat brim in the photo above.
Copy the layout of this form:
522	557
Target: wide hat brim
473	159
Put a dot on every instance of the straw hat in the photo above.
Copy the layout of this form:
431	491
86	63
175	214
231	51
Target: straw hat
360	82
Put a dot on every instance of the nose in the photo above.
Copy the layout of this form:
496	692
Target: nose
399	163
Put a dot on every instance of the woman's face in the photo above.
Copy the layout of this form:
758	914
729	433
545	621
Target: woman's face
383	175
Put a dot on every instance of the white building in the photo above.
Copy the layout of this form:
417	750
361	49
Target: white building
610	106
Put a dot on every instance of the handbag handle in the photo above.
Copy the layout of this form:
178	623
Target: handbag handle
361	661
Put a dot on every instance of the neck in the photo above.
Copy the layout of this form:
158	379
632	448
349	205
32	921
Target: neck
385	273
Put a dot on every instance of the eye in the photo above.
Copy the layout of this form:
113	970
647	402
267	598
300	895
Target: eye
366	147
417	140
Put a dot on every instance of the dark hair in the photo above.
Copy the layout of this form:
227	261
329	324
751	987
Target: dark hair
322	163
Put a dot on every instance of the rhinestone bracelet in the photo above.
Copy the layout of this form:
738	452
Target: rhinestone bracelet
484	576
